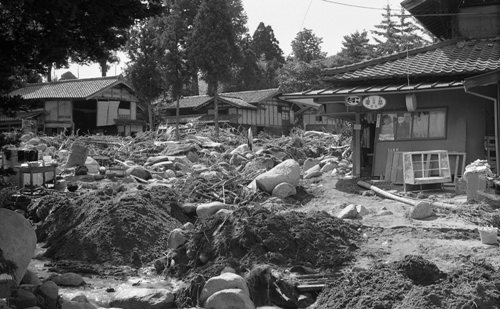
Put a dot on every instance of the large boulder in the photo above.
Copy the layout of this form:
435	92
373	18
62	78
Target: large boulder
17	241
48	292
141	298
68	279
92	165
349	212
287	171
204	211
284	190
222	282
229	299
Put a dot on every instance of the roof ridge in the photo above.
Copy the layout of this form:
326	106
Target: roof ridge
395	56
117	77
247	91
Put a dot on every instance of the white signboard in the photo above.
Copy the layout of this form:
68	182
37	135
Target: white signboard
374	102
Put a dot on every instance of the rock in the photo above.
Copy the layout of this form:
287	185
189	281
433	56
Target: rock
306	300
328	167
229	299
224	213
362	211
169	174
176	238
48	292
209	175
349	212
421	211
206	210
287	171
228	269
310	162
368	193
193	156
384	212
241	149
68	304
17	241
141	298
34	141
92	165
252	187
314	171
222	282
68	279
140	172
23	299
30	278
188	226
284	190
80	298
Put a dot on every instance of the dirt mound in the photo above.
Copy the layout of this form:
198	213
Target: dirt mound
259	236
419	270
128	227
473	285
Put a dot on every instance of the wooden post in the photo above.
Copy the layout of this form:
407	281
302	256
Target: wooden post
216	114
497	130
150	112
177	118
357	146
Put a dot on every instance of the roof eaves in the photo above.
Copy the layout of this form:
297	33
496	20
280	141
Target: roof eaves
396	56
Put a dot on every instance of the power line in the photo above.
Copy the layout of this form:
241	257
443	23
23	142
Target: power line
305	15
411	15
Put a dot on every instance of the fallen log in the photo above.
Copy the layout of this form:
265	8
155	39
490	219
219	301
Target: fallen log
405	200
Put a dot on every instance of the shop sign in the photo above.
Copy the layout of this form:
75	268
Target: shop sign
353	100
374	102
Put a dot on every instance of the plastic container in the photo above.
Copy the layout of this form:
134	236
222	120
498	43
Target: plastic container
488	235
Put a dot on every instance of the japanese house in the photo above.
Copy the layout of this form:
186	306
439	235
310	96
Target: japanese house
261	110
440	97
97	105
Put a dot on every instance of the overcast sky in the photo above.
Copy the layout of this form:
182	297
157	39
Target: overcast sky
328	20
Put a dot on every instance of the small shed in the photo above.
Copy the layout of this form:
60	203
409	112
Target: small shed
96	105
261	110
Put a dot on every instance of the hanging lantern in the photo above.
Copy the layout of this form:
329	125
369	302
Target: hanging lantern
411	102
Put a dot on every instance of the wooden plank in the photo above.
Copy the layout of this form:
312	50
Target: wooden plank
388	164
395	163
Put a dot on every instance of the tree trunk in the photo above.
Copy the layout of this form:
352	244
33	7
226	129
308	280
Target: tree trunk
104	67
49	73
216	114
177	118
150	115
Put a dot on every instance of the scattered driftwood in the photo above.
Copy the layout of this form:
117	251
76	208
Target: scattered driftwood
404	199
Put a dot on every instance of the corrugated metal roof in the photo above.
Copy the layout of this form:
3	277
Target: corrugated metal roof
396	88
453	57
67	89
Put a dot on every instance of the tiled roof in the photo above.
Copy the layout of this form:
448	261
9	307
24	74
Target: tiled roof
374	89
452	57
253	96
67	89
243	99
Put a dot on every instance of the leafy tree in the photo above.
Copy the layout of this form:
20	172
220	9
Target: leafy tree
306	46
296	76
247	74
213	46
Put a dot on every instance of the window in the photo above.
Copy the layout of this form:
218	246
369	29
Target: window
319	118
425	124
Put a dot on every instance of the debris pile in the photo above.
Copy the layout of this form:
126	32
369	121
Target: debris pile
120	226
399	285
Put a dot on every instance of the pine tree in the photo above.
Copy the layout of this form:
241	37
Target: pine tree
356	47
409	29
266	45
213	46
389	33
